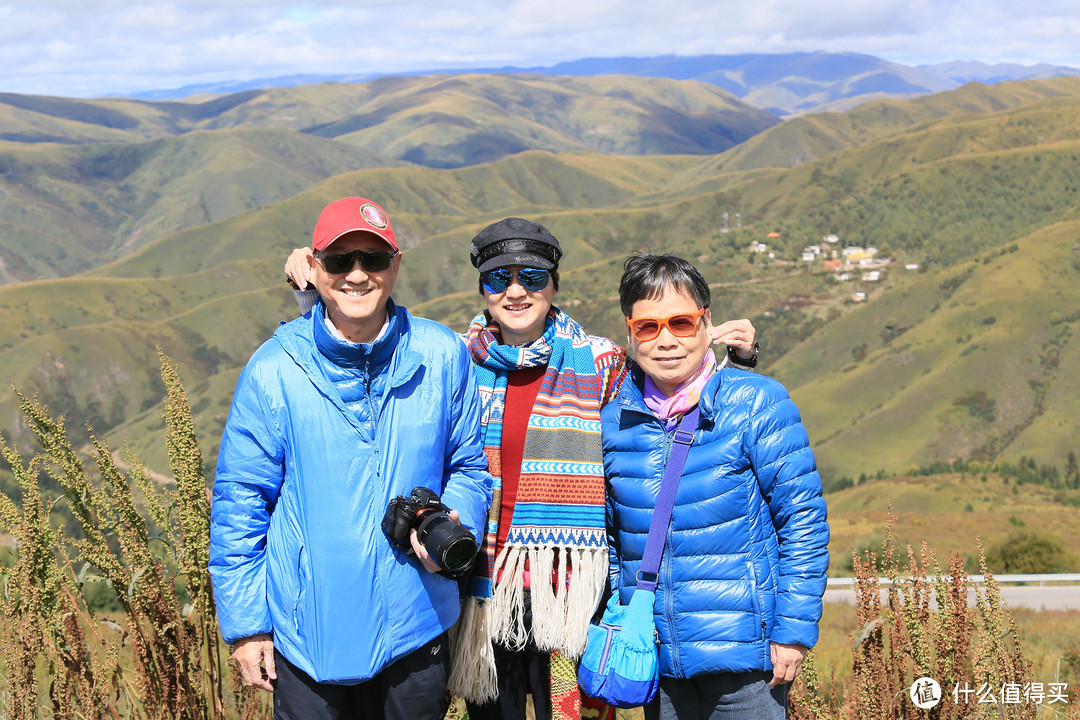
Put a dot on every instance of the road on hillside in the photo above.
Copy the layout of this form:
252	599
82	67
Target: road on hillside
1037	597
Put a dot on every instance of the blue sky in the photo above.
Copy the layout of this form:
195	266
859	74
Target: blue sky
80	49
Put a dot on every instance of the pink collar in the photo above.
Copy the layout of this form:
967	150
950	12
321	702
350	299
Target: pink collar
670	408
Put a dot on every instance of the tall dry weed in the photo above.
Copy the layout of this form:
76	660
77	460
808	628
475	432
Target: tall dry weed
162	658
925	628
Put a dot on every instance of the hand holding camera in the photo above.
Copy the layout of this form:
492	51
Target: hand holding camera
432	530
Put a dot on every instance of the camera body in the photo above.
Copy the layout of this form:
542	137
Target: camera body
451	546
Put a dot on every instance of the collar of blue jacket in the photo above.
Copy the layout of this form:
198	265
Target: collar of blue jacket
375	355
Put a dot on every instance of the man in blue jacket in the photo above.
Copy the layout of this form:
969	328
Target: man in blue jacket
342	410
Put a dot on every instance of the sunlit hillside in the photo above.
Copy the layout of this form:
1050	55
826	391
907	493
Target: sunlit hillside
971	353
83	182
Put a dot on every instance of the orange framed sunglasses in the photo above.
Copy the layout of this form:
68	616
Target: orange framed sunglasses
681	325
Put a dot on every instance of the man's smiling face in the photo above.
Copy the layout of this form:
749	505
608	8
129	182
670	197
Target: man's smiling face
356	300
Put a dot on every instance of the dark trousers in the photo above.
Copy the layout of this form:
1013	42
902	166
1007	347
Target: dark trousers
520	673
722	696
412	688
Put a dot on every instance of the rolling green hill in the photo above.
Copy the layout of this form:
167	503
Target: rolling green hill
65	209
85	181
973	356
948	512
449	121
812	137
975	361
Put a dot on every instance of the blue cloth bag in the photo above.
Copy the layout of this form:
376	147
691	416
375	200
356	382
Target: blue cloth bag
621	663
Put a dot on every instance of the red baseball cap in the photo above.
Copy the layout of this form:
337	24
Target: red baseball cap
352	214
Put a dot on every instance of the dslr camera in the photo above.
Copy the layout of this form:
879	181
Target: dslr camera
450	545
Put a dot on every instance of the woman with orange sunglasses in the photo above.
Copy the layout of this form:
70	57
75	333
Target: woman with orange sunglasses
742	572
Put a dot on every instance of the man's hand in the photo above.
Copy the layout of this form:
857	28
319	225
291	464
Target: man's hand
738	334
298	267
787	661
421	552
252	654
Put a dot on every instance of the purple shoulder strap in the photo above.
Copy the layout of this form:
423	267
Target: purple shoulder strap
665	502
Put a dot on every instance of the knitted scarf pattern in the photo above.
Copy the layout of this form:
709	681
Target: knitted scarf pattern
559	511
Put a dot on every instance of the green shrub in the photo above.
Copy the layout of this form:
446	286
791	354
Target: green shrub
1031	551
841	483
978	404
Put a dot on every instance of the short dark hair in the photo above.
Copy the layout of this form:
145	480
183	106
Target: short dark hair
646	276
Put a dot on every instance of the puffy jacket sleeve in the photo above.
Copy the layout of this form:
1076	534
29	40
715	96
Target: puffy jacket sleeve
250	469
614	564
466	481
779	450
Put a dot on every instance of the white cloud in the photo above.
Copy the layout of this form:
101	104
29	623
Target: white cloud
76	48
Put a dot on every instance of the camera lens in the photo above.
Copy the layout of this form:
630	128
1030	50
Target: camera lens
451	546
458	554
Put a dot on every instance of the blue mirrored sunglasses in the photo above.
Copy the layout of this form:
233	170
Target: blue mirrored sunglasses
532	279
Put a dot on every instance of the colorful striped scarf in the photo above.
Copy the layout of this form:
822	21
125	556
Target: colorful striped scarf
559	513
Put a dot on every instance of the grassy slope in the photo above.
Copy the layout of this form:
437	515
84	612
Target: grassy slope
433	210
68	208
951	190
934	509
99	189
1003	332
812	137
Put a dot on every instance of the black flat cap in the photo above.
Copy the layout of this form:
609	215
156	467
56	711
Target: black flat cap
514	241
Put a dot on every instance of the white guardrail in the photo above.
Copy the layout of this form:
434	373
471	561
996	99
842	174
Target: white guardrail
978	579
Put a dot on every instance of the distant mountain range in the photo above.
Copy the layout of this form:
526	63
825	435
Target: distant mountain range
784	84
86	181
974	354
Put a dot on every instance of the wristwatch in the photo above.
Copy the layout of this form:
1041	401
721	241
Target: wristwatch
749	362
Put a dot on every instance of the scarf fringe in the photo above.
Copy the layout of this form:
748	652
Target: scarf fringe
547	620
473	674
507	604
560	616
583	597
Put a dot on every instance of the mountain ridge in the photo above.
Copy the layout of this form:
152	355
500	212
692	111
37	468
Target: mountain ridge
971	354
788	83
171	166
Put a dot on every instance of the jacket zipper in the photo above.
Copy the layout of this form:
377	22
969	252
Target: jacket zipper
759	613
373	411
299	589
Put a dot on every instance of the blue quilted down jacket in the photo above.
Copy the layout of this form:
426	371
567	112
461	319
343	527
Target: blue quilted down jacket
746	553
321	435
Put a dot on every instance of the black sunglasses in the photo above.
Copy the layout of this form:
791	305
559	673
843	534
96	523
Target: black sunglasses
341	263
497	281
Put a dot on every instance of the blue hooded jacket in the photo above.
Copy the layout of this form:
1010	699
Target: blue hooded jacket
747	548
321	435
